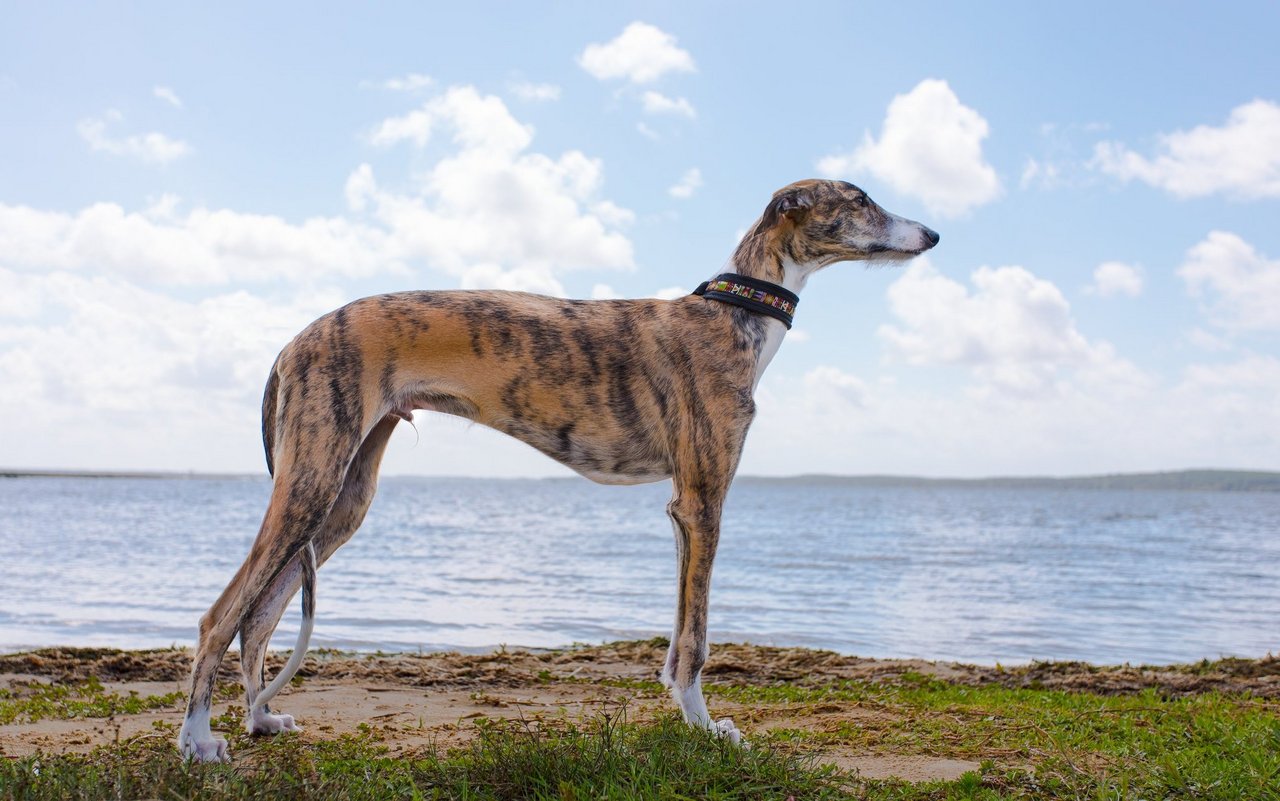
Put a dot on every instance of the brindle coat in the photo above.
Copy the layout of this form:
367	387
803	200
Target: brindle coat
622	391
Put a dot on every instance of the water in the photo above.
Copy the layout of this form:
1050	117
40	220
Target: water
978	575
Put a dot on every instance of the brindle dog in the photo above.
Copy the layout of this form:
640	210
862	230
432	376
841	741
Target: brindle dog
622	391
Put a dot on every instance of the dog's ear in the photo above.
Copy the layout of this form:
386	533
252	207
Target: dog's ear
793	204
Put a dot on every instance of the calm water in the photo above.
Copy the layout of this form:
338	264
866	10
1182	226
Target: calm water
977	575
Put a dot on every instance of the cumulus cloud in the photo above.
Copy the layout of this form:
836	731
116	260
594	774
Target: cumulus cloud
221	343
689	183
493	212
1240	285
1240	158
1116	278
930	148
153	147
534	92
1043	398
203	247
1221	414
167	95
828	388
160	323
642	53
658	103
480	122
490	211
1014	331
165	380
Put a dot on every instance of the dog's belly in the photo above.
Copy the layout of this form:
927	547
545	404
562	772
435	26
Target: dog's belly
586	444
627	459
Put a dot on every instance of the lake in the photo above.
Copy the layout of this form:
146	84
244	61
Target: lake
958	573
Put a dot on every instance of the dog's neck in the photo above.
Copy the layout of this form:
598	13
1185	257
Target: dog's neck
762	255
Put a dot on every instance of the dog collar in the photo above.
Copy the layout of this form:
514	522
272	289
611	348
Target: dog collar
751	294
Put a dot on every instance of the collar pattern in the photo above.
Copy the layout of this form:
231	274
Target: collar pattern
752	294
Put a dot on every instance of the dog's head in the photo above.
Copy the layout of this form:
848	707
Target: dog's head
817	223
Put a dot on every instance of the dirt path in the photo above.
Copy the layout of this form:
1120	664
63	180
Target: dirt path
422	700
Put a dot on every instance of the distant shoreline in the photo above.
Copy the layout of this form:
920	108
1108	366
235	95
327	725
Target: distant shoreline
1186	480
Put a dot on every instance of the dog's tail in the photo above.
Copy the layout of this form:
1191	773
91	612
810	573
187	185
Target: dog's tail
308	557
269	416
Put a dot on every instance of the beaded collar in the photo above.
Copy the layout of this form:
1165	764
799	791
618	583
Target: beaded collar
751	294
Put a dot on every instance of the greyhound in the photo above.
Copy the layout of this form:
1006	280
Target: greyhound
621	391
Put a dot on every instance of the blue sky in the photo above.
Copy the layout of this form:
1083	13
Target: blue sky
183	188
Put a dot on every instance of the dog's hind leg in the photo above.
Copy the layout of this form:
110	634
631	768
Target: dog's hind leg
695	516
310	469
345	518
256	633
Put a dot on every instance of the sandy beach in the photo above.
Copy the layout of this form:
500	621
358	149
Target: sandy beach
411	701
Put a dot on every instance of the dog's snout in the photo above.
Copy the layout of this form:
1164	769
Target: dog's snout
932	236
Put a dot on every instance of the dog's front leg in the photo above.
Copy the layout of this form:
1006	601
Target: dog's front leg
695	516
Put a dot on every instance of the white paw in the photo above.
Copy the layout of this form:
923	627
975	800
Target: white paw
210	749
261	722
725	728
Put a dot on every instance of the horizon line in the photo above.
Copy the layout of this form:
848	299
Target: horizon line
19	472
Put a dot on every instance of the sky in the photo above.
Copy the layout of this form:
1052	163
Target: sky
184	187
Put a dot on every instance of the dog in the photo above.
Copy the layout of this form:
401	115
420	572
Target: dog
621	391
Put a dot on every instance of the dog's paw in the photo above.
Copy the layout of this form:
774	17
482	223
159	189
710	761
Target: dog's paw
211	749
725	728
263	722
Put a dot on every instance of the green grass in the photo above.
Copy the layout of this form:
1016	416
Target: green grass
1031	744
87	699
604	759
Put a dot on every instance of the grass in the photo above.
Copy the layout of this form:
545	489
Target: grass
1031	744
606	758
87	699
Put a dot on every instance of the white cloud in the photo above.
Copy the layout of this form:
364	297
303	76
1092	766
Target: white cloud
113	346
642	53
1221	415
827	387
204	247
493	212
479	122
167	95
490	212
160	379
930	148
534	92
603	292
411	82
658	103
1014	330
1243	284
159	324
1239	159
151	147
647	132
1116	278
689	183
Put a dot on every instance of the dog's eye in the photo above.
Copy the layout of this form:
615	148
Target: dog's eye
860	201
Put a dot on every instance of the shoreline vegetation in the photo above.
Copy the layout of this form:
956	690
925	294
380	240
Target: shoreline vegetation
593	722
1184	480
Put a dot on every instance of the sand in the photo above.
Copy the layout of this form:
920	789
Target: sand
431	699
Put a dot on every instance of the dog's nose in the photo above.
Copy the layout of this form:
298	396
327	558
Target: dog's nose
932	236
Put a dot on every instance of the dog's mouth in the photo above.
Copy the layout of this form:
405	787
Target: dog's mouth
908	239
